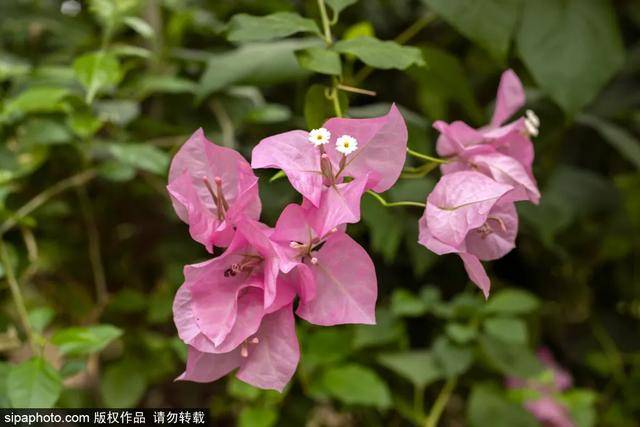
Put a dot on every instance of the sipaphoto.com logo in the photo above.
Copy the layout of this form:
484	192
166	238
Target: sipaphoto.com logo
43	418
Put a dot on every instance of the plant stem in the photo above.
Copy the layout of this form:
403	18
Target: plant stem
440	403
425	157
44	196
95	254
16	294
326	26
384	203
418	400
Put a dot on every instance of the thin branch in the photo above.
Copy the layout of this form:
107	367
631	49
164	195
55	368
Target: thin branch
44	196
347	88
440	403
95	253
425	157
384	203
16	294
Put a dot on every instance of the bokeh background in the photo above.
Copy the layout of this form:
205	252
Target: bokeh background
95	96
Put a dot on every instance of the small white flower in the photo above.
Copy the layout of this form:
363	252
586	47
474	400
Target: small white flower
532	123
346	144
319	137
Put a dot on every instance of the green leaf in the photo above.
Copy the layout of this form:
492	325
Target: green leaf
116	171
356	385
139	26
381	54
254	64
5	369
118	111
84	123
460	333
385	229
338	6
406	303
141	156
39	131
155	84
509	358
511	301
581	404
246	28
488	407
33	384
257	417
320	60
571	47
97	71
241	390
82	340
388	329
269	113
508	329
489	23
123	384
39	318
452	359
37	99
620	139
443	84
326	347
419	366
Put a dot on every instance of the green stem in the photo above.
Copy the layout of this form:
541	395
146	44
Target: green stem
16	294
418	400
43	197
425	157
384	203
440	403
325	22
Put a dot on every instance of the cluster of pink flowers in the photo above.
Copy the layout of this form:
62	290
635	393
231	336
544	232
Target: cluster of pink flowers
471	210
546	407
235	311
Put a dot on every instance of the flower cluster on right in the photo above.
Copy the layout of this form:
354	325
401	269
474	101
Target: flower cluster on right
471	211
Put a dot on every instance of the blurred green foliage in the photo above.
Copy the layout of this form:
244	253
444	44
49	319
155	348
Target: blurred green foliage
96	95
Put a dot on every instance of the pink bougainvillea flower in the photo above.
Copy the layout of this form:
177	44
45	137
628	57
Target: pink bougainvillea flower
547	408
371	152
472	215
333	275
211	188
503	152
267	358
223	300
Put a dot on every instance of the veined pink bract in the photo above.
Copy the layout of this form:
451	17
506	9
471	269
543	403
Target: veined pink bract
212	188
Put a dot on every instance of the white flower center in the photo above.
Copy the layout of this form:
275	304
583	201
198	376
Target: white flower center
532	123
346	144
319	137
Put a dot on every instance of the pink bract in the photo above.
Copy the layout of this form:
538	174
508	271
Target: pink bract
223	300
376	164
212	188
472	215
266	359
547	408
334	275
503	152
